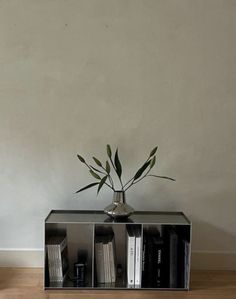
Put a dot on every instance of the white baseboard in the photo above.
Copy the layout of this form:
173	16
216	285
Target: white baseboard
201	260
21	258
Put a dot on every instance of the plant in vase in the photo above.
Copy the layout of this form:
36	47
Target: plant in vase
103	174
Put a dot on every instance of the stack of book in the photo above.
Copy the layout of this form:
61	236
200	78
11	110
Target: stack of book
57	256
105	257
134	256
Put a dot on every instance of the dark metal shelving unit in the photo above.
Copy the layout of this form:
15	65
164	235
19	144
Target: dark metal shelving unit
79	226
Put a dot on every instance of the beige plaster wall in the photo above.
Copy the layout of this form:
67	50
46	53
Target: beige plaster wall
78	74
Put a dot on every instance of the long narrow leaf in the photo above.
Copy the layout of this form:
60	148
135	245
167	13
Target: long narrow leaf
108	168
95	169
118	164
153	162
102	182
95	175
162	177
153	152
87	187
141	170
81	159
109	152
99	163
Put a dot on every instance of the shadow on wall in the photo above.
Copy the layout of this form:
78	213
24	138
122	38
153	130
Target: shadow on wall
212	247
210	238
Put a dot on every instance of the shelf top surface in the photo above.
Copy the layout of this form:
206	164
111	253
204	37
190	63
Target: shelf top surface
94	216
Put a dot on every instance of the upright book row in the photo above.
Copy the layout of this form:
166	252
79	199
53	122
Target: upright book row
105	256
155	257
57	257
122	256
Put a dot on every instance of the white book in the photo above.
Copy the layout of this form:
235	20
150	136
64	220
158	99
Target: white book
50	262
106	263
57	256
138	258
111	246
130	256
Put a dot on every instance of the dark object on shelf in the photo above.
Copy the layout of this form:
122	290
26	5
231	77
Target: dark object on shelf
119	271
80	269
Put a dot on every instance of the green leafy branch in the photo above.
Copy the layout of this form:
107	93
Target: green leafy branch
104	172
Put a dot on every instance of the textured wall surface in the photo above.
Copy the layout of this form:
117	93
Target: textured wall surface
77	74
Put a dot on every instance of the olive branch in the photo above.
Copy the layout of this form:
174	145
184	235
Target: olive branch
102	172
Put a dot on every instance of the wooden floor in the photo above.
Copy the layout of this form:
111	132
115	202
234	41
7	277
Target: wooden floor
27	283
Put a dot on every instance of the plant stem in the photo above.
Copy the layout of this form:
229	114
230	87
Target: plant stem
133	183
110	178
109	186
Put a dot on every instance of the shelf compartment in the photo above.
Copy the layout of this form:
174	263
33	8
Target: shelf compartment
120	254
166	256
79	243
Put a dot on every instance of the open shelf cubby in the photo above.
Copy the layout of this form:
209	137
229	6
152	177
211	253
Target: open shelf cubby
161	260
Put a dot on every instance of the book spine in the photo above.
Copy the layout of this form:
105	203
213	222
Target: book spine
173	259
150	263
53	263
59	262
130	259
108	263
105	253
112	261
144	260
159	261
186	264
50	262
138	262
99	262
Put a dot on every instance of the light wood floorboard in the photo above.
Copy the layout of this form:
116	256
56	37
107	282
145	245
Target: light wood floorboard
27	283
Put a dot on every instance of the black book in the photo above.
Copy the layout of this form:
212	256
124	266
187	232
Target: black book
150	263
158	276
144	261
152	258
171	263
173	257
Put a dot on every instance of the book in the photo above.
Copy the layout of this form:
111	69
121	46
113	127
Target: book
144	260
172	249
183	257
106	262
105	256
138	257
186	263
130	256
99	259
158	247
112	257
152	258
57	258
